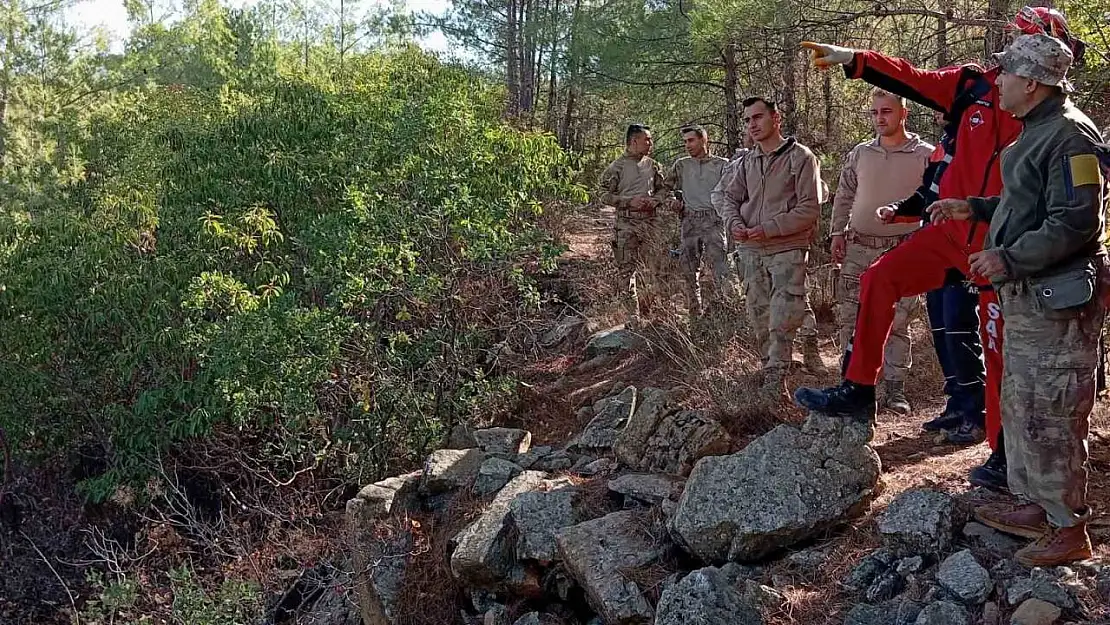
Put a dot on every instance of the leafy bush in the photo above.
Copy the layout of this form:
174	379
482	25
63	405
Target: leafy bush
321	263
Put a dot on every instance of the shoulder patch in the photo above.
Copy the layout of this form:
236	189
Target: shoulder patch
1084	169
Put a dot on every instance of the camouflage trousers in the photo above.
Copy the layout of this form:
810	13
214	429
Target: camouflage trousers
1048	391
860	253
703	238
777	303
639	251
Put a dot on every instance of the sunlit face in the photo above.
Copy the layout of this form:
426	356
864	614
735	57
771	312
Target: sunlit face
888	116
641	143
762	123
1014	92
694	144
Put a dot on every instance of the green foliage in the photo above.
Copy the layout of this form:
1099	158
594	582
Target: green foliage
320	262
120	601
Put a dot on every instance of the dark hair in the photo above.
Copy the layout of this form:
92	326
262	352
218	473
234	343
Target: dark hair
633	130
770	104
695	128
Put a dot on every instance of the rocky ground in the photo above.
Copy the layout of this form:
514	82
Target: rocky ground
640	481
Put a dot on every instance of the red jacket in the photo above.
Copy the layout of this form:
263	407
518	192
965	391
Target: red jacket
976	129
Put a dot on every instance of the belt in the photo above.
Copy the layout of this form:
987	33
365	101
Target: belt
633	214
875	242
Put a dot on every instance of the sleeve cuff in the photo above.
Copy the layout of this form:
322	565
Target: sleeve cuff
855	68
979	210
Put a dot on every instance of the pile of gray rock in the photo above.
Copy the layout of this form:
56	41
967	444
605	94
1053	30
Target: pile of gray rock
650	516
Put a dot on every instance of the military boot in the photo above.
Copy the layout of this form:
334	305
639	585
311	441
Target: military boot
992	474
811	356
850	400
895	399
1056	547
1025	520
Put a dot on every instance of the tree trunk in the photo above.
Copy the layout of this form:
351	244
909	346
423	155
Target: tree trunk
732	101
528	58
512	58
942	34
789	85
566	137
999	11
552	81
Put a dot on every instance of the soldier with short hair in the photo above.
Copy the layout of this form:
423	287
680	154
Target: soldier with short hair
771	208
876	173
703	235
1042	254
632	185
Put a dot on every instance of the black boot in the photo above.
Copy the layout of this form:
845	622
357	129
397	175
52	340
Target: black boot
949	419
855	401
992	474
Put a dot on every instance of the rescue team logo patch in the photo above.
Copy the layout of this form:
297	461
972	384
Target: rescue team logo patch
976	119
1084	170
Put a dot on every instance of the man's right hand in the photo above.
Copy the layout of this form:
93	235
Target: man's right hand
739	234
839	248
885	214
826	55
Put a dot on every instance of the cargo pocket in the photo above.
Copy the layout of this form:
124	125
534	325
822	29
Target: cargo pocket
1064	390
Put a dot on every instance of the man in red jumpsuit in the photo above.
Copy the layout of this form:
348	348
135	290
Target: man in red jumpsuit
968	98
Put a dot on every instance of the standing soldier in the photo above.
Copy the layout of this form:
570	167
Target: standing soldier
694	177
1041	254
771	208
877	173
631	184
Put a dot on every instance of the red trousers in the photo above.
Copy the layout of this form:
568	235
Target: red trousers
916	266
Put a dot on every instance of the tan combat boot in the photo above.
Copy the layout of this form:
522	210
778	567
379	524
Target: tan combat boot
1027	520
811	356
1057	546
895	399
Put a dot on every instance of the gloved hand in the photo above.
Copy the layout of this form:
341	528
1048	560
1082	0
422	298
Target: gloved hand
826	55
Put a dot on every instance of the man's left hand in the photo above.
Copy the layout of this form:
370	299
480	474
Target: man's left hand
756	234
988	264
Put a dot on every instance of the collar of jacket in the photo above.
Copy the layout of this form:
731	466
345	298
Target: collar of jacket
912	142
1045	110
786	145
630	155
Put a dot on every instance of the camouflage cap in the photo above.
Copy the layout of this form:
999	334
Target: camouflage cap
1038	57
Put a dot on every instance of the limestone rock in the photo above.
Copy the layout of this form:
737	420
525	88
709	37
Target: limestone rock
389	496
381	556
763	598
651	406
988	539
885	586
461	437
651	489
1035	612
528	458
493	475
555	461
965	578
599	553
942	613
893	612
1055	586
610	416
704	596
538	516
505	442
483	555
682	439
612	341
919	521
786	486
450	469
565	328
909	566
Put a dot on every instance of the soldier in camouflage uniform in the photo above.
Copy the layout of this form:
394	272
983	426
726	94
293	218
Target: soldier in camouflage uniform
876	173
632	185
771	208
694	177
1043	248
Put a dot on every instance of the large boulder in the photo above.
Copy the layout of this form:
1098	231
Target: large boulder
942	613
483	556
1035	612
658	439
786	486
599	555
503	442
494	474
450	469
382	551
919	521
381	499
538	516
612	341
705	596
610	416
648	488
